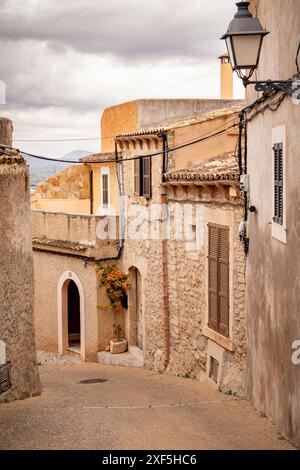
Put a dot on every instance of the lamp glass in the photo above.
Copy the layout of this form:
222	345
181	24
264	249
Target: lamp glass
230	51
246	50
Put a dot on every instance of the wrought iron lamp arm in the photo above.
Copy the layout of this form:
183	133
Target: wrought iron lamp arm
267	87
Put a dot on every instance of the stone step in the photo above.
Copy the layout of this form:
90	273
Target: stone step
125	359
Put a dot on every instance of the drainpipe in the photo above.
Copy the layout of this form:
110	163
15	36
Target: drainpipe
91	192
164	251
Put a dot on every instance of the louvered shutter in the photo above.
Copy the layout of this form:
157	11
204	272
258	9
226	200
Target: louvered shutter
213	277
278	183
218	278
137	177
147	177
223	280
105	190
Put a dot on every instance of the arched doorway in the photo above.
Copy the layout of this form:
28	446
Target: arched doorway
136	313
73	317
70	314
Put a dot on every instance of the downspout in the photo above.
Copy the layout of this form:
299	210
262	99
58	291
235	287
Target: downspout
243	171
165	155
164	251
91	192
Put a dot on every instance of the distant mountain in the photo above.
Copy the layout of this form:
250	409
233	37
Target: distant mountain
42	169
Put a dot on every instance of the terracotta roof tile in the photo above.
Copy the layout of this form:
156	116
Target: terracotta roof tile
97	157
222	168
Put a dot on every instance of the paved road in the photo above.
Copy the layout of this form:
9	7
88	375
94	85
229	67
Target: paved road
134	408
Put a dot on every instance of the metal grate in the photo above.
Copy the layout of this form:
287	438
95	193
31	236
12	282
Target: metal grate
93	381
5	377
214	369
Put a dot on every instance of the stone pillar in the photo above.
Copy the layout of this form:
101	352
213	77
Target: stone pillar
6	130
16	275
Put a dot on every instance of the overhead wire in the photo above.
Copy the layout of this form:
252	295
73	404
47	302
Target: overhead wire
155	154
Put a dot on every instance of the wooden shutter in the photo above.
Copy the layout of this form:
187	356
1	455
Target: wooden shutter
137	177
105	190
223	281
278	183
218	278
147	177
213	277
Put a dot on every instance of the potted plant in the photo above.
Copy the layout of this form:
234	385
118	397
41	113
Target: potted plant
116	283
118	344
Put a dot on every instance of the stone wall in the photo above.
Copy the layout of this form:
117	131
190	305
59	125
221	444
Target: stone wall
70	183
146	256
79	232
189	331
16	276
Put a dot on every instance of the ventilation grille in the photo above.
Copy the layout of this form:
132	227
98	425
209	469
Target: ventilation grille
5	377
214	369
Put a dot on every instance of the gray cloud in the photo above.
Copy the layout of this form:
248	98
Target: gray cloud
63	61
128	29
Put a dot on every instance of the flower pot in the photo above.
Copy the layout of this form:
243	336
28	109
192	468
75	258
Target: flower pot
118	347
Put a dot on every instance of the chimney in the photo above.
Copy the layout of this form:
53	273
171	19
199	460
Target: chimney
226	78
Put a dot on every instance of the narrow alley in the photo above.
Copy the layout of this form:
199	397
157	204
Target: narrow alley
131	408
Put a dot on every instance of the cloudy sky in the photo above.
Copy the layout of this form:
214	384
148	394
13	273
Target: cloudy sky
64	61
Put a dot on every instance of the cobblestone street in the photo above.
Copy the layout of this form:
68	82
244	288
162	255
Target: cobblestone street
131	409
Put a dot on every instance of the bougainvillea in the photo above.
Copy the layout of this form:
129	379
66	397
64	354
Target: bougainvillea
115	282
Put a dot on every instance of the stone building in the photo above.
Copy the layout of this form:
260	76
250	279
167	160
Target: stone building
167	316
17	338
207	275
167	322
272	298
68	210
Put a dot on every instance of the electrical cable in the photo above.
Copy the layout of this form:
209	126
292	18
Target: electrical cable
297	57
86	138
187	144
60	140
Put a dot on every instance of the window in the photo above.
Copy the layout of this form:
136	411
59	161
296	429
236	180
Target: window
278	184
104	188
142	177
218	279
278	206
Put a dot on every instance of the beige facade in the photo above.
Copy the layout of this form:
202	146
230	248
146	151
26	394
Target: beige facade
99	171
273	302
139	114
67	248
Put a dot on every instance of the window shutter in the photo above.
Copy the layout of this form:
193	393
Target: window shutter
278	183
223	281
213	277
218	279
147	177
105	190
137	163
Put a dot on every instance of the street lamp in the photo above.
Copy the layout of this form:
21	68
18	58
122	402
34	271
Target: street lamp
244	39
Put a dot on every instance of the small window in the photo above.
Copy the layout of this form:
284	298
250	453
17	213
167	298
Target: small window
278	212
142	177
278	183
218	279
104	188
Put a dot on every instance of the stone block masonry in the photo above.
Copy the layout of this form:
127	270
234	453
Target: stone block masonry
16	276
